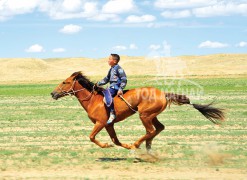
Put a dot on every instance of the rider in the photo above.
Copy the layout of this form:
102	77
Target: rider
118	80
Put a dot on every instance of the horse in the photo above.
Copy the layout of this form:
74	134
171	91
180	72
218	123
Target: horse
149	102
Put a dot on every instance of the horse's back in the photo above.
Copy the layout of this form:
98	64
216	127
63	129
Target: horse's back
145	97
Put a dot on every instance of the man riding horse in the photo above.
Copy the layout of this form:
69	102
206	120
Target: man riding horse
118	80
149	102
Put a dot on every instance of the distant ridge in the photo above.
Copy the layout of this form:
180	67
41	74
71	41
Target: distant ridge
33	70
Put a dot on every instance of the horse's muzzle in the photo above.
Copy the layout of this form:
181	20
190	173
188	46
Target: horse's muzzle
55	95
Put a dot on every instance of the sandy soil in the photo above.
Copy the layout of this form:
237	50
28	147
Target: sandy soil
137	171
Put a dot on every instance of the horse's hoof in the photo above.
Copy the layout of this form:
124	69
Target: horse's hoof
149	151
106	145
133	147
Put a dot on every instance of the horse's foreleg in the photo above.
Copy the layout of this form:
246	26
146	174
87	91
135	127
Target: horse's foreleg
97	128
112	133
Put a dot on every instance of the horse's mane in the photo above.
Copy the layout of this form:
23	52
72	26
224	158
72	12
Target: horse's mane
83	80
86	83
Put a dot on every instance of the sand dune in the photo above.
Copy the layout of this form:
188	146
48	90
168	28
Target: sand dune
33	70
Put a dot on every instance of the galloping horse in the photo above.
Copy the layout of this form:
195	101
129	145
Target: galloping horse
148	101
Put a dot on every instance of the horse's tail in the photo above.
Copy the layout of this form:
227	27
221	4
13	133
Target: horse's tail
215	115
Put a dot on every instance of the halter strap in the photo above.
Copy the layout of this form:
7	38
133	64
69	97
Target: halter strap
73	92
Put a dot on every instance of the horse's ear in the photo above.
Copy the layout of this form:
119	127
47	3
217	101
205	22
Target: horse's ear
77	75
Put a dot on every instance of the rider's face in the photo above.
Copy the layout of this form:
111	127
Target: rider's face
112	61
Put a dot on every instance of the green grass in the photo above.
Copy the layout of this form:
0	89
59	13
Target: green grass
38	132
26	89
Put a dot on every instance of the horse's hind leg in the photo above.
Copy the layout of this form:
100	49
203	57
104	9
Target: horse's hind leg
158	128
111	131
150	131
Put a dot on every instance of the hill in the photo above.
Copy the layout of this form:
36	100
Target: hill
36	70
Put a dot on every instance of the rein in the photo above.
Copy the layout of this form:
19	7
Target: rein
73	92
128	104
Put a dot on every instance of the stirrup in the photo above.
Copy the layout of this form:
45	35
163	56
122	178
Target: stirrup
111	118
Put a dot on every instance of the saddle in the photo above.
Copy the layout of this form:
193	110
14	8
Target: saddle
107	95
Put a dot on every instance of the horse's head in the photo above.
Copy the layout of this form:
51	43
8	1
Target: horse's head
66	87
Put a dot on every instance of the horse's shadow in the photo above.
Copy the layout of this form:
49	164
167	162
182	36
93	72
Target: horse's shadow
144	158
108	159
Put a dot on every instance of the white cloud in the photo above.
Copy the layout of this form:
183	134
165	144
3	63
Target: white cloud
118	6
133	46
119	48
210	44
176	14
176	4
154	47
221	9
9	8
71	5
90	8
35	48
123	48
58	50
140	19
201	8
56	9
146	3
242	44
85	9
111	10
105	17
68	9
70	29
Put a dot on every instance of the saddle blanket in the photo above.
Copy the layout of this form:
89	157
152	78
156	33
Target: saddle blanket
107	97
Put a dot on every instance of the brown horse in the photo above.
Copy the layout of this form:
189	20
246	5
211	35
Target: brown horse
148	101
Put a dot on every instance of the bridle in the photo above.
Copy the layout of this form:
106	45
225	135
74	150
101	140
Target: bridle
71	91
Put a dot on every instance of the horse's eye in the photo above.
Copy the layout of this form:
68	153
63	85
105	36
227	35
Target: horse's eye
64	82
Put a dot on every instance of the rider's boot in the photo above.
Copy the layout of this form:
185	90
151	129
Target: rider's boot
112	117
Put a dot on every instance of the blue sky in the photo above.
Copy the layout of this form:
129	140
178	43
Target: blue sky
91	28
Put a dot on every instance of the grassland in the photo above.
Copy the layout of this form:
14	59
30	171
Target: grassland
41	138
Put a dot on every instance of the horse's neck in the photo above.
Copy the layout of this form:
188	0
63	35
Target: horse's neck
89	99
83	96
84	99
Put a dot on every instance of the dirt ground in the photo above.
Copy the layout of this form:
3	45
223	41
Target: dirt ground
137	171
143	166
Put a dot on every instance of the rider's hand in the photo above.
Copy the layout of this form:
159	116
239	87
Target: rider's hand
96	86
120	92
